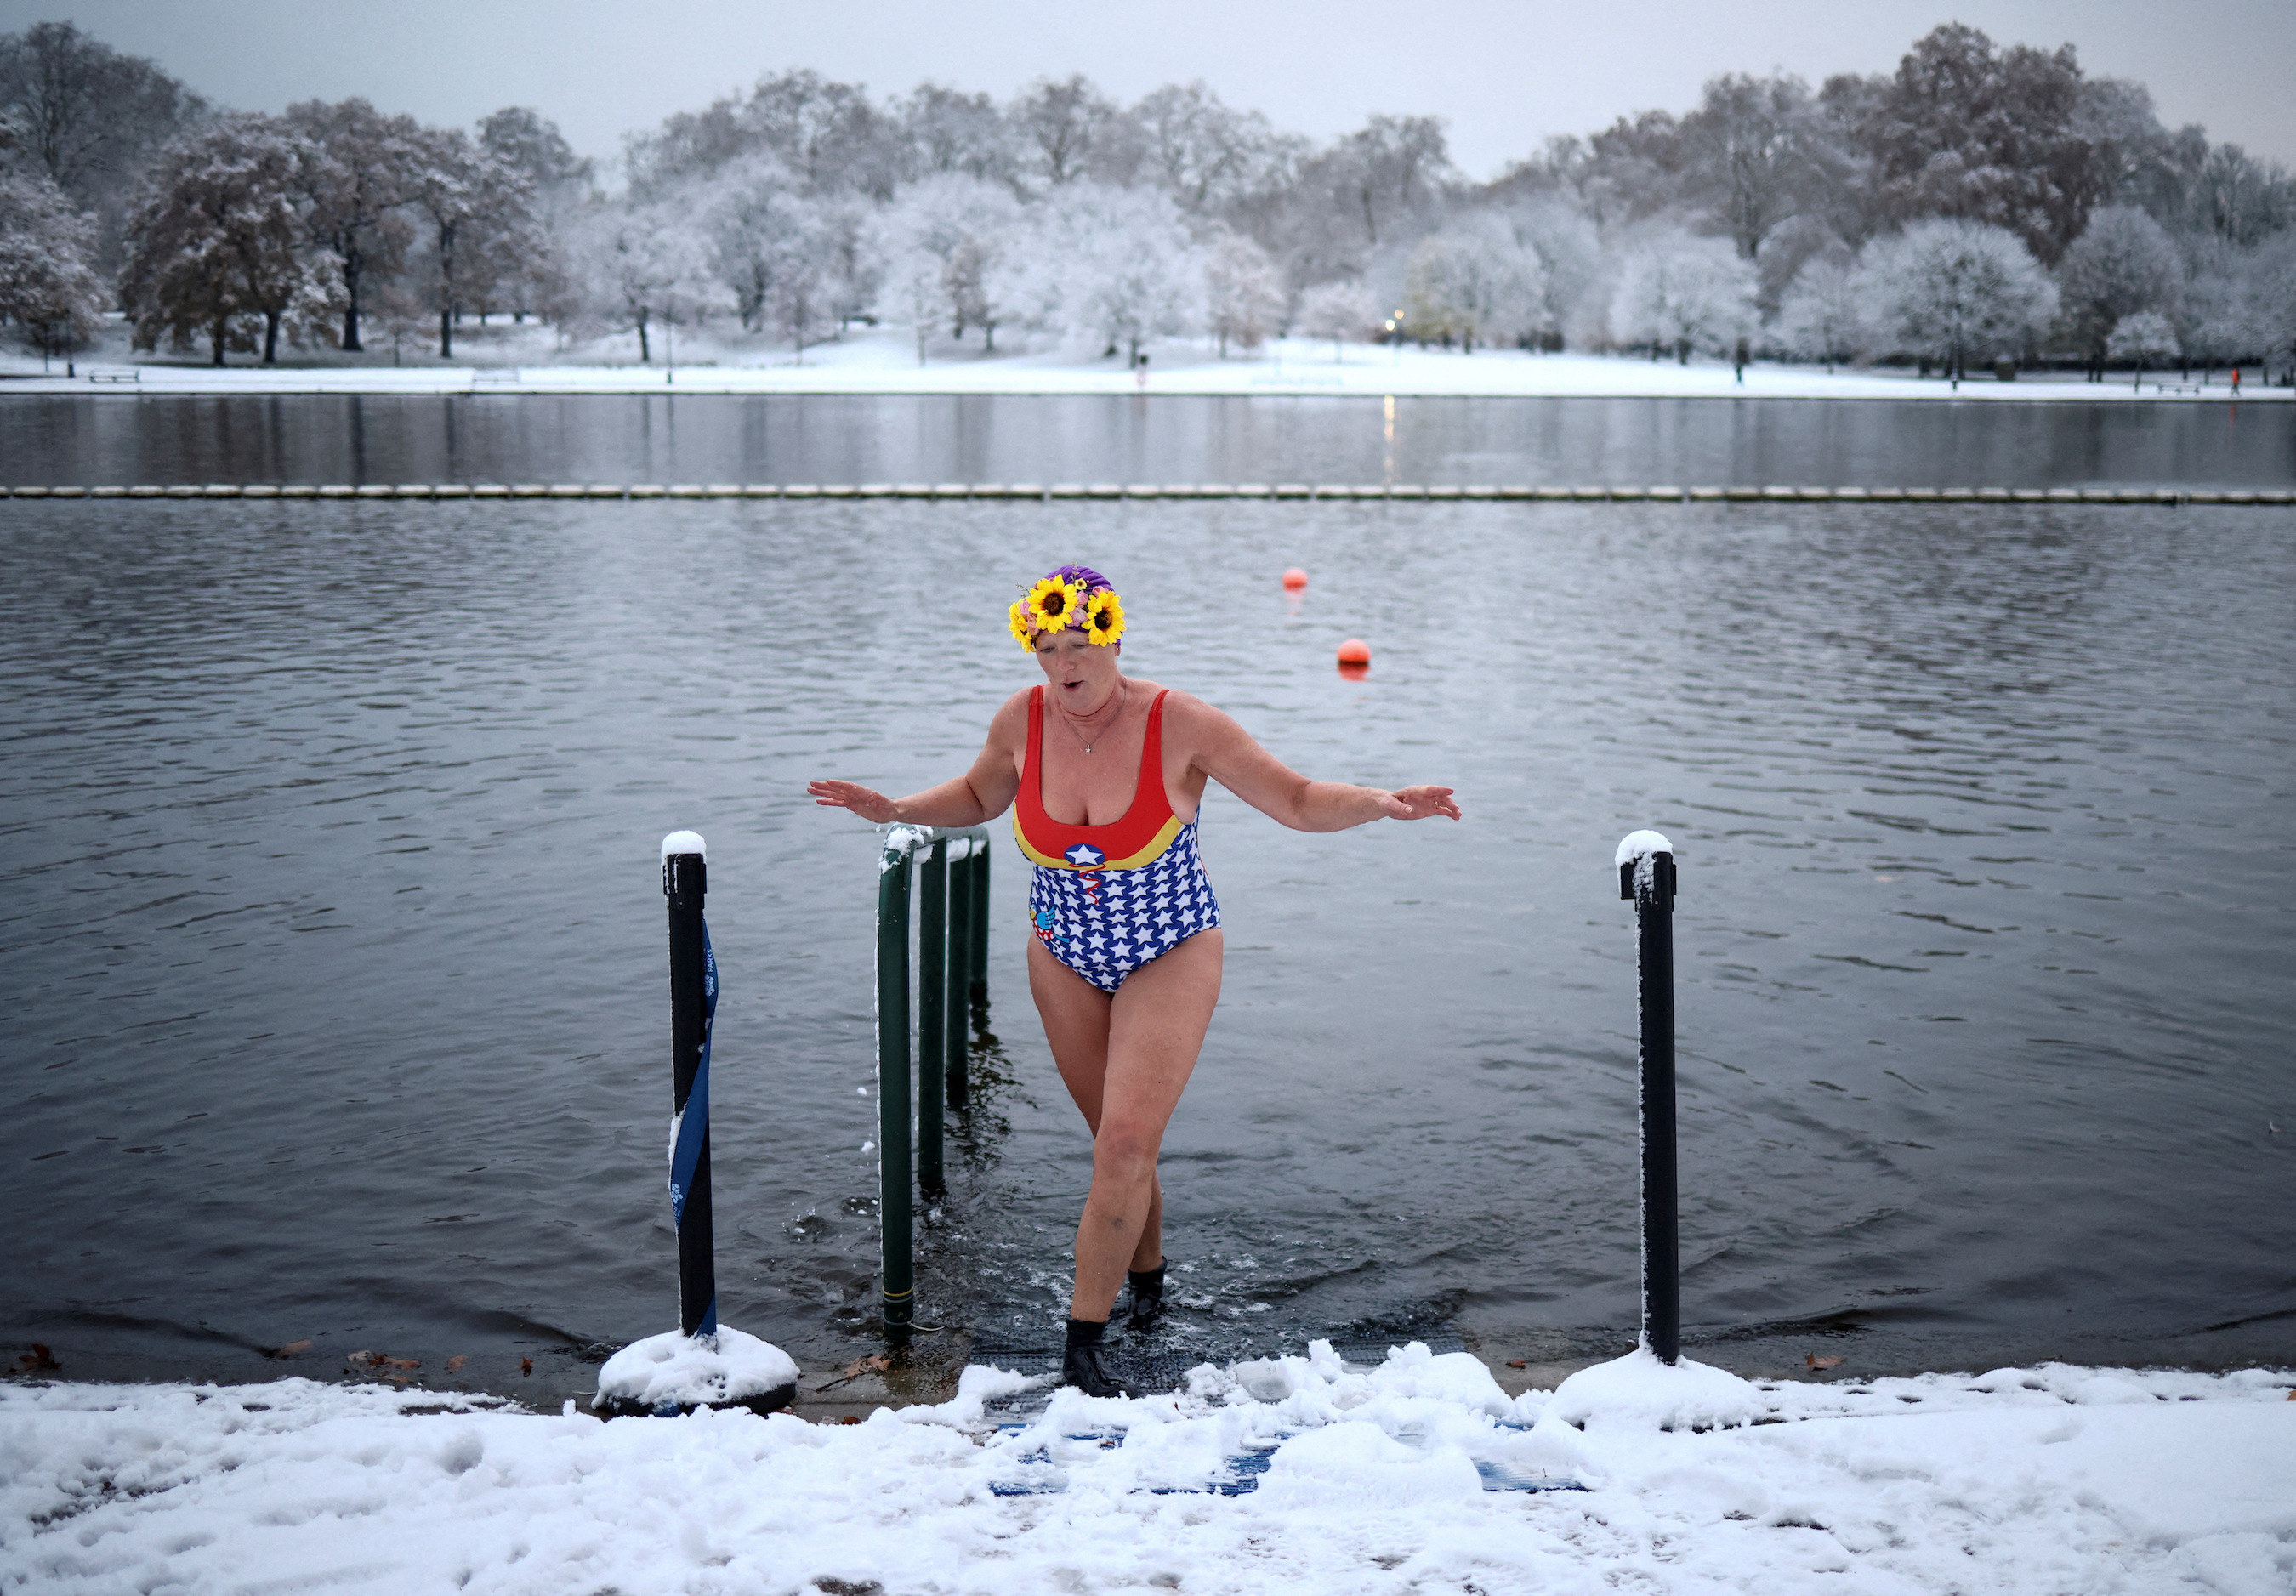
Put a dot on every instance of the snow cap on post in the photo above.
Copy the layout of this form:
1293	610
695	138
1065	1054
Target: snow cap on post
1634	845
690	842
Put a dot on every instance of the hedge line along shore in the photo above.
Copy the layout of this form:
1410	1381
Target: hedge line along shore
1024	491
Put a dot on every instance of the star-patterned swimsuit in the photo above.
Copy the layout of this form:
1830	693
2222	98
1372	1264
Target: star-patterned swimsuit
1107	899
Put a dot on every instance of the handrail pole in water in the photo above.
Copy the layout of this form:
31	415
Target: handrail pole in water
1645	862
893	1173
956	984
946	958
684	880
934	924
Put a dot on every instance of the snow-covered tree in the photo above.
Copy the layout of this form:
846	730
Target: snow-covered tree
1206	154
942	239
1569	251
524	272
479	213
1951	290
2122	264
1823	315
1339	311
1062	125
2143	336
1243	296
949	130
1472	281
1116	266
90	119
354	194
640	264
218	238
760	231
48	285
1677	291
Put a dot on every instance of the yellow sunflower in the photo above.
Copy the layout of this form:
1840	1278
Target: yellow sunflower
1053	603
1017	617
1105	616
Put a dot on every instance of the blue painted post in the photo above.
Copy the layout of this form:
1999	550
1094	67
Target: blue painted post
693	1009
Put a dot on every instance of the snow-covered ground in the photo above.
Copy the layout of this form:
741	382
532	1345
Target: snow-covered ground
884	361
1408	1477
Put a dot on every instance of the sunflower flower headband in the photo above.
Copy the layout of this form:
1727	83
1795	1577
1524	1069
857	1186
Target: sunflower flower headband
1075	595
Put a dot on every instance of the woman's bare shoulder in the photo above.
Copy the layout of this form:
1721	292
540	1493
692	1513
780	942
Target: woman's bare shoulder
1191	718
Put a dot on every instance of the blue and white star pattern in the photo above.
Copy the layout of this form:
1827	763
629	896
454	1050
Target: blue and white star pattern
1104	924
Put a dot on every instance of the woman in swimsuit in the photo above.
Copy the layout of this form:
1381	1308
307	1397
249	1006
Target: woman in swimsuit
1108	772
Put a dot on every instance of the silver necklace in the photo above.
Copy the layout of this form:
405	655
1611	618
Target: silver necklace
1072	725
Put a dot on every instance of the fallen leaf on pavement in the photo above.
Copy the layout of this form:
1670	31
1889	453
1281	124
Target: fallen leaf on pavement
1818	1363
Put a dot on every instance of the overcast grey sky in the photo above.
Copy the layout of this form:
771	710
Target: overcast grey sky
1505	75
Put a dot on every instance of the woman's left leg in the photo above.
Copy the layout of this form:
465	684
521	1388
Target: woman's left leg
1156	1025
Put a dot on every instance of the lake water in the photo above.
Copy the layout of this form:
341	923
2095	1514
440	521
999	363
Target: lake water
617	438
333	941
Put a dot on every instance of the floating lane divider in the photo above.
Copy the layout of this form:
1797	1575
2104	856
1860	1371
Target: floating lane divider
952	956
1107	491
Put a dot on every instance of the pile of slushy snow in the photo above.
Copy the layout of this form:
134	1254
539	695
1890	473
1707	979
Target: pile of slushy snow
1411	1476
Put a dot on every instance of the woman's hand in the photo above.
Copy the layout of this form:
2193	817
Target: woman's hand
1418	803
871	806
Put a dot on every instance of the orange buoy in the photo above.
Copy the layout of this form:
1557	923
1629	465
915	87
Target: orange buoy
1295	578
1354	651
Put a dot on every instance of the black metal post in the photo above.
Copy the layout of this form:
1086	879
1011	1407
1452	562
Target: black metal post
956	991
933	922
894	1211
1648	878
980	920
684	878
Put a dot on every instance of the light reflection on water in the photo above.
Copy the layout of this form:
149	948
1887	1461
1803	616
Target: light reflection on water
333	942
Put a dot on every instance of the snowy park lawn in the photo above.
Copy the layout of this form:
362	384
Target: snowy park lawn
884	361
1406	1478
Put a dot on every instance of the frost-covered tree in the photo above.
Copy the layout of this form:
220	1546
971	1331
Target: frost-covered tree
2143	336
832	137
1950	289
1680	292
759	229
1969	131
480	214
1472	281
354	194
90	119
1757	152
48	285
1062	125
1117	266
942	239
1243	294
641	264
1206	154
950	131
525	272
218	238
2120	264
1823	313
1339	311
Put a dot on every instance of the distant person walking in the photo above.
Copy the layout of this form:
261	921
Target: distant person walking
1125	963
2235	383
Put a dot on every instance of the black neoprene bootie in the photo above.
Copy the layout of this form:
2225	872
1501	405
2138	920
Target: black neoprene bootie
1081	1364
1147	1296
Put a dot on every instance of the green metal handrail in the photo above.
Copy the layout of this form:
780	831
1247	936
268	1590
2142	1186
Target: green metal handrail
952	969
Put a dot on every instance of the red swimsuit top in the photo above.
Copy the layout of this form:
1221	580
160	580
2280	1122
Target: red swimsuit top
1144	832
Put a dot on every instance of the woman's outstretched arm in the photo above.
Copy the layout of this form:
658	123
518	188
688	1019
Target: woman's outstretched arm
981	794
1226	753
